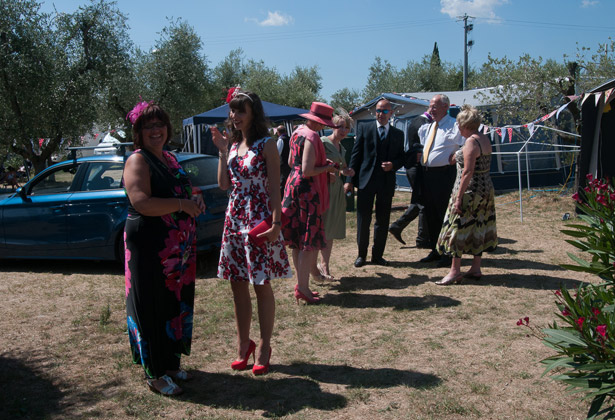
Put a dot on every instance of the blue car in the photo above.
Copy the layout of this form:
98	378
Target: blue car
76	209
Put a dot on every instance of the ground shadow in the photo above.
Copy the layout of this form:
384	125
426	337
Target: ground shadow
406	303
66	267
207	264
361	378
24	393
377	282
522	281
517	264
276	397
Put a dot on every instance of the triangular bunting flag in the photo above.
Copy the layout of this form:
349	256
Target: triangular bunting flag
560	109
585	96
609	95
598	96
531	128
510	131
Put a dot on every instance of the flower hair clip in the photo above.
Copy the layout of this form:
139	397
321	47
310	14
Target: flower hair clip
136	112
235	91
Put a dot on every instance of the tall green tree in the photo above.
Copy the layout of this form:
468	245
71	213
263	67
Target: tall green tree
228	73
346	98
177	74
382	78
527	88
52	72
301	87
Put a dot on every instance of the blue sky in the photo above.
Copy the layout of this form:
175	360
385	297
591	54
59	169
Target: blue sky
343	38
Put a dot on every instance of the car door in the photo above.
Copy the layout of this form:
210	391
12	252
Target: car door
34	220
96	210
202	171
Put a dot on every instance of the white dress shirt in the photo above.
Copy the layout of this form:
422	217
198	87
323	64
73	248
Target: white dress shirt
447	141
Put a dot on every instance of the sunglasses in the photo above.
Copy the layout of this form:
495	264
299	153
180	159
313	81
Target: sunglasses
384	111
154	125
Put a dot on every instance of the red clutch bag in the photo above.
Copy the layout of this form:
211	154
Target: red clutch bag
258	229
263	227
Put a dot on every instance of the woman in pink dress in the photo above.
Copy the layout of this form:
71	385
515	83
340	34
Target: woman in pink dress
306	196
252	170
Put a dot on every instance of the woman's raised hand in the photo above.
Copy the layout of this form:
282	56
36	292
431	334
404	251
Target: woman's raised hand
220	140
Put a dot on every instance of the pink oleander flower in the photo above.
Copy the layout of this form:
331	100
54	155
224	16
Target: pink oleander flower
558	293
596	311
587	190
520	322
576	198
612	196
601	199
580	321
565	312
527	320
601	329
589	177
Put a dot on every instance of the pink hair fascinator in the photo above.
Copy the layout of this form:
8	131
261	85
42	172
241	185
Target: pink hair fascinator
136	112
233	92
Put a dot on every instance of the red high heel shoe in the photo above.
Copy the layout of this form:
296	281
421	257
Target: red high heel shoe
262	369
308	300
243	363
313	293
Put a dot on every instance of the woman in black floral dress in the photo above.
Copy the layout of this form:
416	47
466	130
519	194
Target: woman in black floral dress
160	238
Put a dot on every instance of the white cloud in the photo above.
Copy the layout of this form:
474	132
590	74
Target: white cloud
589	3
476	8
276	19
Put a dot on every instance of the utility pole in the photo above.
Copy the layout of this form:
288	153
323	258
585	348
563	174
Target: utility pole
466	44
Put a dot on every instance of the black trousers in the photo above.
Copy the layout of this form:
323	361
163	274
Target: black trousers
365	205
415	209
437	187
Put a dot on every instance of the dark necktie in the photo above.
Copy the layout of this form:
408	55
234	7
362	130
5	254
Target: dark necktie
381	128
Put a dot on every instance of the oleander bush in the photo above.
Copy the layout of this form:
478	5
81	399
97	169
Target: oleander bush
583	337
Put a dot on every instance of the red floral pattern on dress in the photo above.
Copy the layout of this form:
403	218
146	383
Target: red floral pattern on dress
240	258
304	228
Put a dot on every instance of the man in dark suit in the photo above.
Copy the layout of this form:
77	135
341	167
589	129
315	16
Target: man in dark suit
377	153
284	151
413	149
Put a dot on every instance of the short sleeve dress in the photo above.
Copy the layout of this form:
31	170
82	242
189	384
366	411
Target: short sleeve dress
160	273
474	231
335	216
240	258
304	227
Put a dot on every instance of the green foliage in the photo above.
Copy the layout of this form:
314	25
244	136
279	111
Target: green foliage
176	73
597	237
584	342
346	98
53	71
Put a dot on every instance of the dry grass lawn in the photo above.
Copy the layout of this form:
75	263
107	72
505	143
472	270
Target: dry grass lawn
386	343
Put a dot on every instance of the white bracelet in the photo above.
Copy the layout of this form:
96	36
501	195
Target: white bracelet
180	205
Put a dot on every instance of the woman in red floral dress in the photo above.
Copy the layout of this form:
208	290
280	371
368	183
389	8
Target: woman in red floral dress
252	170
306	196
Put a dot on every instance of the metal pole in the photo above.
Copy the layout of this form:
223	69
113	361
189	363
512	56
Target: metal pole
520	187
465	52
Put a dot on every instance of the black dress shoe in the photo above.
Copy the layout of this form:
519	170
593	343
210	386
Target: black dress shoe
433	256
380	261
397	235
359	262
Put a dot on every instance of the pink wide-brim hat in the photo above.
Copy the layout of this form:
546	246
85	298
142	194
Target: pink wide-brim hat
321	113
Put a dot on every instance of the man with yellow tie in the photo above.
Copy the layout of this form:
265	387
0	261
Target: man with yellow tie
440	140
